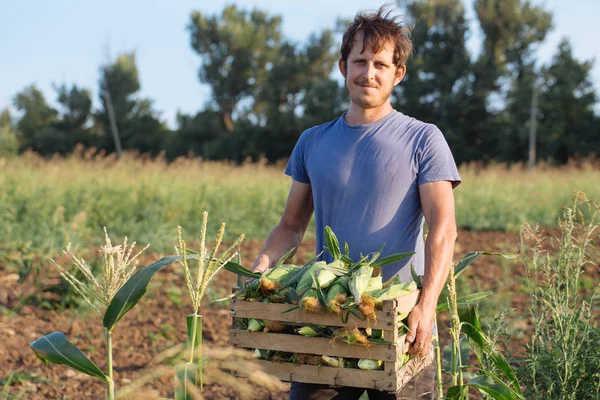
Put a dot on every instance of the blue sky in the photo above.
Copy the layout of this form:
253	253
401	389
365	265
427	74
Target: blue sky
46	42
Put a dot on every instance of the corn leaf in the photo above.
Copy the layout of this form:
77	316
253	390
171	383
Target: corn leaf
347	250
240	271
333	245
284	258
418	279
133	290
391	259
295	276
320	294
471	256
470	298
497	390
57	349
457	393
481	344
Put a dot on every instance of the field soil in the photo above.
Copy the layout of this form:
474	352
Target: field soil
157	323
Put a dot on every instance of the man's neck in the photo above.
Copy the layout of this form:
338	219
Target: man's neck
357	115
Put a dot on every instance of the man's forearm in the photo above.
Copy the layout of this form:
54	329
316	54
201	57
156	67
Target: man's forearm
282	239
439	249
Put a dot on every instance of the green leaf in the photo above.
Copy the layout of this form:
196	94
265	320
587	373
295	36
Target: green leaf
56	348
133	290
391	259
471	256
347	250
470	298
240	271
291	309
295	276
497	390
333	245
320	294
418	280
282	259
457	393
481	344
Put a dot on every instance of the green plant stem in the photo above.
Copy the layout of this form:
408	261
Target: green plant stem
438	360
110	385
197	319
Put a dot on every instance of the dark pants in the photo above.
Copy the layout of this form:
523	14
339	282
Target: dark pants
422	386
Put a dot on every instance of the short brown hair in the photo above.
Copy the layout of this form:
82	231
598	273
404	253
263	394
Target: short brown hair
377	29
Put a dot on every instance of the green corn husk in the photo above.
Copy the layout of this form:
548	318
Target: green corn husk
333	362
325	278
269	282
403	359
308	331
255	325
392	292
336	296
359	281
306	282
377	334
374	284
370	365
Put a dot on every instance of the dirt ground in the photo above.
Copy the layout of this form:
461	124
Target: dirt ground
158	323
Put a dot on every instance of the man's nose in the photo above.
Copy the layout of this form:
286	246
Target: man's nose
369	72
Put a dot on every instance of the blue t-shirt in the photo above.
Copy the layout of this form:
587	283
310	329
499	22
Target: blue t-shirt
365	183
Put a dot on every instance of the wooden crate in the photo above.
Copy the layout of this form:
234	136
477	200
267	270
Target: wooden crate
392	378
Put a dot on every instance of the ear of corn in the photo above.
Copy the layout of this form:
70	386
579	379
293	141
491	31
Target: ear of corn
255	325
306	281
370	365
269	282
325	278
310	302
359	281
336	296
374	284
308	331
333	362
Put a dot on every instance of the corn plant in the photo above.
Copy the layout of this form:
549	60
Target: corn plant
467	335
117	290
209	264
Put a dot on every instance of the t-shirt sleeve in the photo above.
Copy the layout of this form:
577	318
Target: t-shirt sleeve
436	162
296	167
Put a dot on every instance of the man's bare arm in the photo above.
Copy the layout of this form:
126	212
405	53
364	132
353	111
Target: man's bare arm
288	233
437	201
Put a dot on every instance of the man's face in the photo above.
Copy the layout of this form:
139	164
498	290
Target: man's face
370	77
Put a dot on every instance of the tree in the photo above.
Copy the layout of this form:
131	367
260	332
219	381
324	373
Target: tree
568	126
36	114
434	88
236	51
9	140
138	123
75	116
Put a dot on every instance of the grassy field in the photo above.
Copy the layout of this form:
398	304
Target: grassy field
46	203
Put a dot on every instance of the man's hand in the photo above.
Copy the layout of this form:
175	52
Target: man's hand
261	264
420	325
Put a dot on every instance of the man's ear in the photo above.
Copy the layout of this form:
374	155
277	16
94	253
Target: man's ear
342	67
400	72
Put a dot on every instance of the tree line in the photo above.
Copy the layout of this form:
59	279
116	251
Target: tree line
266	89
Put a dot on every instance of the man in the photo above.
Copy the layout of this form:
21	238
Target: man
372	175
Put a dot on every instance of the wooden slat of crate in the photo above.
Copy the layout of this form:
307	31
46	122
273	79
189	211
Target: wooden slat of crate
273	311
330	376
311	345
404	304
413	367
